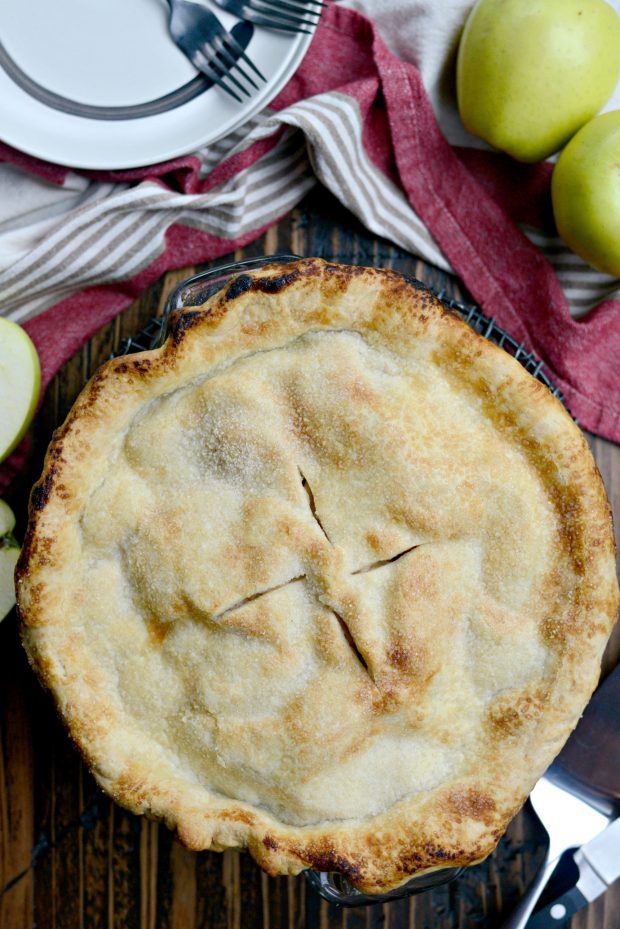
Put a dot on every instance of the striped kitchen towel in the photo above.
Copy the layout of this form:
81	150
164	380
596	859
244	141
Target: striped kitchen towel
377	125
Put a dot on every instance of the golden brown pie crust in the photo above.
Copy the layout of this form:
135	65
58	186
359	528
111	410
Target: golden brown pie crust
328	576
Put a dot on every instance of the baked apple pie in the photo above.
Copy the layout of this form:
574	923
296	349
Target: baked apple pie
327	576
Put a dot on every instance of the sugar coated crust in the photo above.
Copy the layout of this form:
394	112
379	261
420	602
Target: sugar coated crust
327	576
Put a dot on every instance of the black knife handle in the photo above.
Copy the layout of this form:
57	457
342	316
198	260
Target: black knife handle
559	911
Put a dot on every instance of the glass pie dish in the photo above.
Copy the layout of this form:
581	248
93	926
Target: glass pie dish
308	577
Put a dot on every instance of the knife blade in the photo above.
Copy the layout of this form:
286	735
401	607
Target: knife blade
589	763
599	866
589	767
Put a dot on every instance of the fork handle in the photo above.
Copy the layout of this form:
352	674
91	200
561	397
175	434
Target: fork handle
520	915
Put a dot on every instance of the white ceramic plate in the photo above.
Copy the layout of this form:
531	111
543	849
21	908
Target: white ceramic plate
100	83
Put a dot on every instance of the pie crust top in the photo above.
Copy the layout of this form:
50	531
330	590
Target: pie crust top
328	576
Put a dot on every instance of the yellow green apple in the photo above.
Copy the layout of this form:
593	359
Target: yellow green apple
585	191
530	73
8	560
20	382
9	552
7	519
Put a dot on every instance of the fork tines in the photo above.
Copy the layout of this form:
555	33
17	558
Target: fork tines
295	6
288	15
226	57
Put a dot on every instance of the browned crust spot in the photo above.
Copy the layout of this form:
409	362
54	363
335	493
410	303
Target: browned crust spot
158	631
267	285
238	816
509	715
470	803
324	856
182	322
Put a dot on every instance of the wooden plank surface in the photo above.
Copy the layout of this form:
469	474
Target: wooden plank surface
71	859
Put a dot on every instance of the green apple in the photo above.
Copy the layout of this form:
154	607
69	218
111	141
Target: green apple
530	73
20	382
8	560
585	190
7	519
9	553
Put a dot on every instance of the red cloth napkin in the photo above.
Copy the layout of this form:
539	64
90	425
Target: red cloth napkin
469	200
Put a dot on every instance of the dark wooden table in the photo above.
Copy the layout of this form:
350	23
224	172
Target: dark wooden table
71	859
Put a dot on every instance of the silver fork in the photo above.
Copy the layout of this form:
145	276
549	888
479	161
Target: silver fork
211	48
288	15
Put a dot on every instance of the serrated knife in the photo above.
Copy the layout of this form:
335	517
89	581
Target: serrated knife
577	801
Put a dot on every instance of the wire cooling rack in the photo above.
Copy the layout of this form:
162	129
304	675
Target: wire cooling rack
147	338
153	333
487	327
